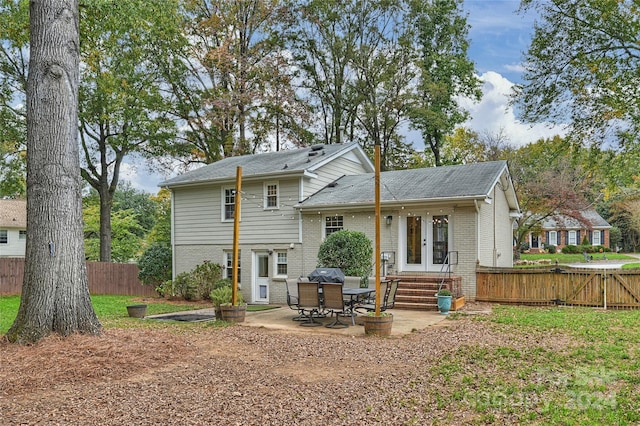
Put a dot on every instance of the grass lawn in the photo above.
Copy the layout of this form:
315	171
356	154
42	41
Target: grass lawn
564	259
592	379
111	310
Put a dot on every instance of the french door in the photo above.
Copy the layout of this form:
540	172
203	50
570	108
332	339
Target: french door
425	242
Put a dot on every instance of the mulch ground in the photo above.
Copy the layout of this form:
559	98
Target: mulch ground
239	376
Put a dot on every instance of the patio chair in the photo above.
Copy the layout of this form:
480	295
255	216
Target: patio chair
292	298
334	301
309	302
390	299
352	282
369	305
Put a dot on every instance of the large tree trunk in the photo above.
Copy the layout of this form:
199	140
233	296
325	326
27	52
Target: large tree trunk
55	294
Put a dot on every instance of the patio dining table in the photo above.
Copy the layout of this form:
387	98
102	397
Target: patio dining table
355	295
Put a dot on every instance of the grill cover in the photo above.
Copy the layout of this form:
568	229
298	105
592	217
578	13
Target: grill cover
327	275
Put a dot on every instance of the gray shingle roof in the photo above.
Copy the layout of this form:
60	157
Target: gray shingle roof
275	163
433	183
592	220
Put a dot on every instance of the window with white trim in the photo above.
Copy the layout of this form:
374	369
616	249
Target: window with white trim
572	238
22	235
553	238
4	236
271	199
228	203
281	263
228	263
333	224
596	238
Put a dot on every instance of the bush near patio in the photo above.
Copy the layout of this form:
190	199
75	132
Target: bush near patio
351	251
194	285
155	265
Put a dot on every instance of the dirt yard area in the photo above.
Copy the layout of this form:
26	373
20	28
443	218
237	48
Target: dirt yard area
240	376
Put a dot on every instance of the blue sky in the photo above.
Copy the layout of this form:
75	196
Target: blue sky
499	36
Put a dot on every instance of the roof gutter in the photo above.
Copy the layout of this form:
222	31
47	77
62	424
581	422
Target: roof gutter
389	203
249	178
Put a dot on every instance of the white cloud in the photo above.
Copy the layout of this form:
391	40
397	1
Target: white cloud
494	114
141	178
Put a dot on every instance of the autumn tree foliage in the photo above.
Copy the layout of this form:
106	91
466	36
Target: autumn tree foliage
550	181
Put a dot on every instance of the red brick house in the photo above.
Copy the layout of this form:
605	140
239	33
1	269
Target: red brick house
563	230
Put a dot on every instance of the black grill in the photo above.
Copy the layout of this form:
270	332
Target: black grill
327	275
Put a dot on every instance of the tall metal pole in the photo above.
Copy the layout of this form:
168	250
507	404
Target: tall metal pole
236	234
377	209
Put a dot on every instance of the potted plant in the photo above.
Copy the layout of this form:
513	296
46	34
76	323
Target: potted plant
378	325
444	300
137	311
221	298
234	313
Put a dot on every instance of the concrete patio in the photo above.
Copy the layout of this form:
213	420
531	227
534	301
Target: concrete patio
280	318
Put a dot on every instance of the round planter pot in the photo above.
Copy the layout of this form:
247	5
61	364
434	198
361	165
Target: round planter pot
444	304
233	313
378	326
137	311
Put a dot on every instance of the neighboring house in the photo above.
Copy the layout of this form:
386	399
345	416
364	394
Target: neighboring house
562	230
13	228
291	200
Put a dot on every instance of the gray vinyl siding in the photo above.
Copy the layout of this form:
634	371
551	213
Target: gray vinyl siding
15	247
345	165
198	216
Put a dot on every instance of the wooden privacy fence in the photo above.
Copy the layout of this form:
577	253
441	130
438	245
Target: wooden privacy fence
608	288
104	278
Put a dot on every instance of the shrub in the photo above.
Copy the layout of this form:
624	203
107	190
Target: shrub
571	249
351	251
198	283
551	249
155	265
221	295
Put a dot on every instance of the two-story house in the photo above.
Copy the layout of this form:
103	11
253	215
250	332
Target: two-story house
433	219
13	228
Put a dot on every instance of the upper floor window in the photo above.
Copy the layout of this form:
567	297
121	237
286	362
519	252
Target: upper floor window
22	235
332	224
228	203
4	236
271	195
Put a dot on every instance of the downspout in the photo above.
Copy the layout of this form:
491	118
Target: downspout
475	203
173	239
495	249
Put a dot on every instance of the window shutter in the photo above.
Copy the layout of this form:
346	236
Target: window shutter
546	237
590	237
578	240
